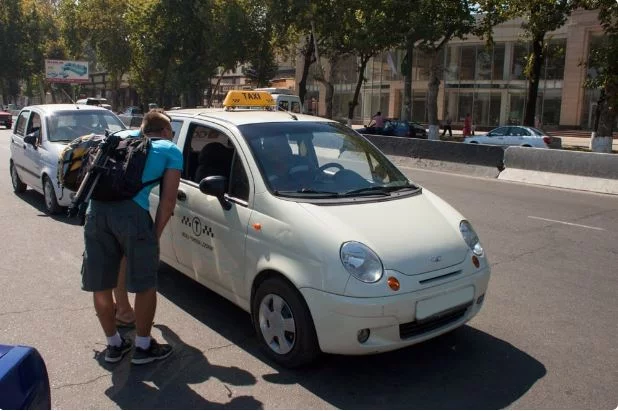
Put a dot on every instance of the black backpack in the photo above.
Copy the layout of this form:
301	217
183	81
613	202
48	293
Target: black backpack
119	167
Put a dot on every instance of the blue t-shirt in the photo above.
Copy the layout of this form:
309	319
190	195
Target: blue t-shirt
163	154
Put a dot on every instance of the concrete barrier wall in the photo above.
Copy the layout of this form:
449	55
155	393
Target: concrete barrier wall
471	154
578	163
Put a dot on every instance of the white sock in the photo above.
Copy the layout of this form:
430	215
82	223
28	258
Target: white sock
114	340
142	342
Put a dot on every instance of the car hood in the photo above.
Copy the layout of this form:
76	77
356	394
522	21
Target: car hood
412	235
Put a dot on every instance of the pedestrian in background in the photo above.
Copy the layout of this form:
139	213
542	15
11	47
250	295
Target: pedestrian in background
378	120
467	129
118	229
447	125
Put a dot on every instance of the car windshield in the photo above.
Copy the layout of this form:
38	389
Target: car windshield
68	125
536	131
321	160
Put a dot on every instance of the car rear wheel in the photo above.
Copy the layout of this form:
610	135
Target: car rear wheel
283	323
51	203
18	185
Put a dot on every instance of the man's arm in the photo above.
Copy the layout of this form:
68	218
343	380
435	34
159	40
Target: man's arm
167	199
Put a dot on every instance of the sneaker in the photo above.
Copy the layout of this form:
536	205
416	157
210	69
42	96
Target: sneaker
155	352
114	354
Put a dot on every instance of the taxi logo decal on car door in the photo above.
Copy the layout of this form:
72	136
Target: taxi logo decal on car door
197	226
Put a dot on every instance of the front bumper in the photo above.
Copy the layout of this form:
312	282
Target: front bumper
396	321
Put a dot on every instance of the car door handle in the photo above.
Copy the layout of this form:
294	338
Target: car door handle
181	195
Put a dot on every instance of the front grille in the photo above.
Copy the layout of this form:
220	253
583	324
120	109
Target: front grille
418	327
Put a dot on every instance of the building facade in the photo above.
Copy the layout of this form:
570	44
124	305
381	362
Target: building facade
487	83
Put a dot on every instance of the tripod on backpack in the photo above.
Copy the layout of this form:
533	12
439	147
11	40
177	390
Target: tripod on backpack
79	204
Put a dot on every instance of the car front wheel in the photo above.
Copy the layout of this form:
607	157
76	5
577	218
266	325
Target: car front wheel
51	203
283	324
18	185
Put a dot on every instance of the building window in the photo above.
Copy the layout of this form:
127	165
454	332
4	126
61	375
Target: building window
483	63
451	69
554	62
520	56
517	105
498	62
468	63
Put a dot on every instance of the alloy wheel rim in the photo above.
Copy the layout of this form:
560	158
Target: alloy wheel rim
277	324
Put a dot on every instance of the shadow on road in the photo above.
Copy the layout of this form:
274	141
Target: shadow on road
465	369
166	384
37	201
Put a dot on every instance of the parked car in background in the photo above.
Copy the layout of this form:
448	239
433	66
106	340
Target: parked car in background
41	132
516	136
396	127
24	382
6	119
132	116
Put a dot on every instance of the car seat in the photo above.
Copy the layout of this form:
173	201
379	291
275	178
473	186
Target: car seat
214	160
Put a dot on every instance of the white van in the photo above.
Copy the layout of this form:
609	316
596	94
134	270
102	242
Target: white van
284	98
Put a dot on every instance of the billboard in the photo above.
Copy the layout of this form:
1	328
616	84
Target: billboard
66	71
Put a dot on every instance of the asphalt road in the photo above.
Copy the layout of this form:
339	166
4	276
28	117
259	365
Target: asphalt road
546	337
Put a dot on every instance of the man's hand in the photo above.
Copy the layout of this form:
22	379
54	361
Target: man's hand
167	199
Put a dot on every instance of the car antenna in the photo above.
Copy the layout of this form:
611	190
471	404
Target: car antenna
67	94
279	108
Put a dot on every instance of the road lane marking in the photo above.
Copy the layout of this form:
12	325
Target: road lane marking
567	223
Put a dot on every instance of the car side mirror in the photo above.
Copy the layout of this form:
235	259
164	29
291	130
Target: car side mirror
216	186
31	139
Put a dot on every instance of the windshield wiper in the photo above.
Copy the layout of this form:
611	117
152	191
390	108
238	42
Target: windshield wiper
368	191
307	191
390	189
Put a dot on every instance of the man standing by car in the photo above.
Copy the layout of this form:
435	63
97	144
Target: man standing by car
115	229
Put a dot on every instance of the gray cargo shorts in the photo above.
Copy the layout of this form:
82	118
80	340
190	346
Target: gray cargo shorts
113	230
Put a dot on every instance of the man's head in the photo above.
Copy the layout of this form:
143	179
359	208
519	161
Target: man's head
157	124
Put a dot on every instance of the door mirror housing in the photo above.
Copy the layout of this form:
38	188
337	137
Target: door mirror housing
31	139
216	186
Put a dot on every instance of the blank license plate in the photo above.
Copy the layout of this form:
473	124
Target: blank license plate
431	306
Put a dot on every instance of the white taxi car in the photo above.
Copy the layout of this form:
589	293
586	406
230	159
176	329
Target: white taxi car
306	225
41	132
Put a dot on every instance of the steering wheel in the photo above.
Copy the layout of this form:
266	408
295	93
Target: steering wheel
326	166
320	174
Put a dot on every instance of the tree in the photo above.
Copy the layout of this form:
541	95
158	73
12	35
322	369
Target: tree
539	18
11	38
232	28
428	26
107	33
293	23
355	28
603	74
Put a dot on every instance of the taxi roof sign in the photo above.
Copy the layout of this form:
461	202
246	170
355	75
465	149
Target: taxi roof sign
248	98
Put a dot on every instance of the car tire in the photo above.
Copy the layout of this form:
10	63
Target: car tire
51	202
18	185
276	300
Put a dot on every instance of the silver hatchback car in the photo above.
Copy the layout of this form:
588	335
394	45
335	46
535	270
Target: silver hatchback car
41	132
516	136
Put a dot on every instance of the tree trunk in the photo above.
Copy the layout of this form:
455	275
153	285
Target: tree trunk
361	77
601	139
533	79
406	71
330	88
432	97
308	60
214	91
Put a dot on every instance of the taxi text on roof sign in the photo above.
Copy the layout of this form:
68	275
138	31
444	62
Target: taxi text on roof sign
238	98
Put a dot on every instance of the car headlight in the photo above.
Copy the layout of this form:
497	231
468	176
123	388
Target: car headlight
470	237
360	261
